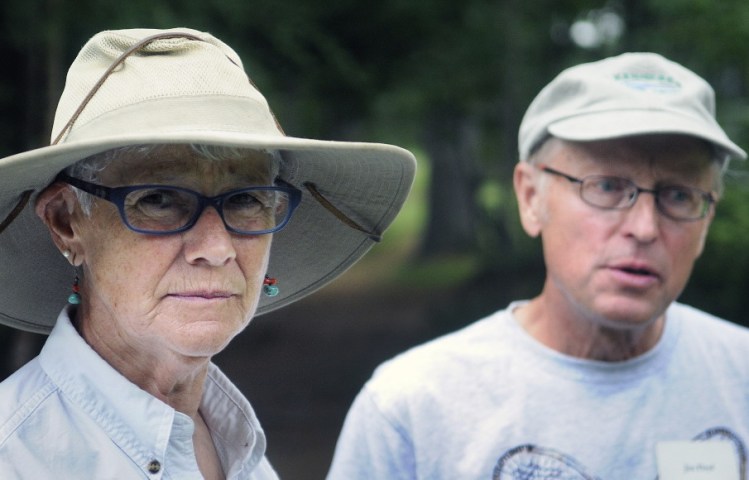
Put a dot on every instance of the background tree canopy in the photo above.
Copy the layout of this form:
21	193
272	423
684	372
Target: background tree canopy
448	80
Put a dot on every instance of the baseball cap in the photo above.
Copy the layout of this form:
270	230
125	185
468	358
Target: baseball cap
626	95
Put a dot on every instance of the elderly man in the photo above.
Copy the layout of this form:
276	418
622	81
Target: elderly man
603	375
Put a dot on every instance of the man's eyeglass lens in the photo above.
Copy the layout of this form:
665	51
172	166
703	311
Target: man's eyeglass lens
609	192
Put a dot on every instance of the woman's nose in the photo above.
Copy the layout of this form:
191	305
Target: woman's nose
208	240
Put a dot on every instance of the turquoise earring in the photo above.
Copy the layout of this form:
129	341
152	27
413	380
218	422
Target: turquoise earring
75	297
269	286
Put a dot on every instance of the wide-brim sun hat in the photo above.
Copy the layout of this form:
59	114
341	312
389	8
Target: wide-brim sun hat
630	94
181	86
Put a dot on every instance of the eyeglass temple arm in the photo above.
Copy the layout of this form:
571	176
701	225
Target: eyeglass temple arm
96	190
548	169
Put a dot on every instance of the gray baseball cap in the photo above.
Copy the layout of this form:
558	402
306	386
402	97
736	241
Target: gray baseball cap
630	94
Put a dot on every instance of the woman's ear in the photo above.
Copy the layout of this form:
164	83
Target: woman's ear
528	197
56	206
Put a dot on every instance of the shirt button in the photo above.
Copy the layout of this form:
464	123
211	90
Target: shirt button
154	466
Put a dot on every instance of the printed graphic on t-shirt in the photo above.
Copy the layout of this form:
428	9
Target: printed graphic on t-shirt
531	462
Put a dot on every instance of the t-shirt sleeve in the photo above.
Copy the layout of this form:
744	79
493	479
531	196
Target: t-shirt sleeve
372	445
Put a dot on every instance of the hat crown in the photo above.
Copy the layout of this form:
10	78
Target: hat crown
634	80
183	65
649	93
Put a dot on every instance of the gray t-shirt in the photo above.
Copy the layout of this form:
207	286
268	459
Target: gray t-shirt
490	402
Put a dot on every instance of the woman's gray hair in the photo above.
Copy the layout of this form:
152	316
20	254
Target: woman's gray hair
90	168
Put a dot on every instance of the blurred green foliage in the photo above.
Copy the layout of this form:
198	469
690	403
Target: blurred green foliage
449	80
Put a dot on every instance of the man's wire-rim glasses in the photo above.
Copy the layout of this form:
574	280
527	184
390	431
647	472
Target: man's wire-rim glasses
676	202
165	209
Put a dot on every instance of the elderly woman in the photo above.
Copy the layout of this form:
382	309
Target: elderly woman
175	210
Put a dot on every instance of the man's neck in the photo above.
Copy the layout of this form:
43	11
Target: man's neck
575	335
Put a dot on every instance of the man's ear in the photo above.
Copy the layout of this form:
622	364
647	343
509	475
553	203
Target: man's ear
56	206
705	229
528	197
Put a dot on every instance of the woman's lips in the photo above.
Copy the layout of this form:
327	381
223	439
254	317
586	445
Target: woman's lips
202	295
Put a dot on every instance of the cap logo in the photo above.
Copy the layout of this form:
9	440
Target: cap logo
648	82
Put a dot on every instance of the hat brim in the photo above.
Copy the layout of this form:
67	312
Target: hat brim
609	125
369	182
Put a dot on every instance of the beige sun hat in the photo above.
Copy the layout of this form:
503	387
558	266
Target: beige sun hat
630	94
146	86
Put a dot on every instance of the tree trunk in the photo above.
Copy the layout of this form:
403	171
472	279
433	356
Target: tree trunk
451	142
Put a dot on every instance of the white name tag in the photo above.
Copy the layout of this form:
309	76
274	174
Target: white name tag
696	461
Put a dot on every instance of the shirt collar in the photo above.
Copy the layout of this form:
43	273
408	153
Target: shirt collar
140	423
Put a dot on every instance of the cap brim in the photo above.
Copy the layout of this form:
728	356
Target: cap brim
369	182
609	125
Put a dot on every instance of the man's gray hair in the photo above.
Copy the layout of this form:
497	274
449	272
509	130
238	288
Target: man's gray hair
720	160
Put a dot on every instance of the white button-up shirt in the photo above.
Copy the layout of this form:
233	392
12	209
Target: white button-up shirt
68	414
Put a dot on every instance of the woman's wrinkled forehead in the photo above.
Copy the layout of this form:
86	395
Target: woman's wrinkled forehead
188	163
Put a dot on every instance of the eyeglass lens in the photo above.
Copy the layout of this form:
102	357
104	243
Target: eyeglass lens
162	209
614	192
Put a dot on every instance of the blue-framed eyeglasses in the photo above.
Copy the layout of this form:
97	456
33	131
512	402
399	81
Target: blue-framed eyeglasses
676	202
164	209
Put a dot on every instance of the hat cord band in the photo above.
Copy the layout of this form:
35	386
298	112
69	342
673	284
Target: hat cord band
25	196
345	219
138	46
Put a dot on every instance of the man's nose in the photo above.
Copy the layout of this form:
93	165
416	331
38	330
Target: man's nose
642	219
